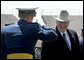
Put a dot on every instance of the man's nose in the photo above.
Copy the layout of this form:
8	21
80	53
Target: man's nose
63	24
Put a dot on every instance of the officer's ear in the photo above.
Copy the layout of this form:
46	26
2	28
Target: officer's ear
32	15
19	15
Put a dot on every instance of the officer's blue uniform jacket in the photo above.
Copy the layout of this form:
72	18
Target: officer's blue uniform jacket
22	36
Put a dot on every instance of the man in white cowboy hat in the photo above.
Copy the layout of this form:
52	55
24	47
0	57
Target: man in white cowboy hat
67	45
18	40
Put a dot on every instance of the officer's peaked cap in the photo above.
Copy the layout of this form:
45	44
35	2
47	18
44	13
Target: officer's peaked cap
27	10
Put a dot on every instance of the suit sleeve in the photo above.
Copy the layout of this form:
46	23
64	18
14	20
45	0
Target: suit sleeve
77	43
77	39
47	35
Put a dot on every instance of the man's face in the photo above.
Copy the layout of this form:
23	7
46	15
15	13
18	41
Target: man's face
62	26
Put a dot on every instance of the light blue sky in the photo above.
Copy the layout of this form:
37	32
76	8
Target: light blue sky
74	7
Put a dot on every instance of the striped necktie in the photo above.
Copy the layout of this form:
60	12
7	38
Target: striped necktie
64	36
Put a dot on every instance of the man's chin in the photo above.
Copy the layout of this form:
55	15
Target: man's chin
63	30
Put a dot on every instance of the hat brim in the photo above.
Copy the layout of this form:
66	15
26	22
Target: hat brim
62	20
27	8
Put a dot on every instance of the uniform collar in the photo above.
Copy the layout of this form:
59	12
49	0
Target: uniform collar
23	21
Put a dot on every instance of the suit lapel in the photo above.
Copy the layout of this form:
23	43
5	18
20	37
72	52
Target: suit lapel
70	36
61	39
59	35
71	39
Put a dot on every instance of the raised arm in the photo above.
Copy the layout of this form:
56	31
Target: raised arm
47	34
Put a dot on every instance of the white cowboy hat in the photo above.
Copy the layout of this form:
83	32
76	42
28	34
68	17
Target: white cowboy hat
63	16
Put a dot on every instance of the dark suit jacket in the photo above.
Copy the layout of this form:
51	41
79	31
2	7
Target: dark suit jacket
59	49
